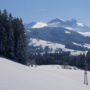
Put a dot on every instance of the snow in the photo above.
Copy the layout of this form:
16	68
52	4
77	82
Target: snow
69	28
80	24
67	32
14	76
53	46
86	34
29	31
54	24
39	25
43	43
62	20
77	44
87	45
77	52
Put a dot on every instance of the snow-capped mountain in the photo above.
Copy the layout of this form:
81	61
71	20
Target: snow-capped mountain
57	36
68	24
29	25
39	25
35	25
53	39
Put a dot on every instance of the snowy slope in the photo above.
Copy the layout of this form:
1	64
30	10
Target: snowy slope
55	39
14	76
72	24
39	25
54	46
86	34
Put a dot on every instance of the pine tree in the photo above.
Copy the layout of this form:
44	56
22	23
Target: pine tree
12	38
19	41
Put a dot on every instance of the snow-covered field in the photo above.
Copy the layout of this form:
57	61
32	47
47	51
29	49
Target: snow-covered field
14	76
54	46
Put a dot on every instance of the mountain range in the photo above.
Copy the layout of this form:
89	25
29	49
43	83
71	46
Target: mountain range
58	35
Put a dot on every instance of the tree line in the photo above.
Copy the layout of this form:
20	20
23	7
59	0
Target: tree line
63	58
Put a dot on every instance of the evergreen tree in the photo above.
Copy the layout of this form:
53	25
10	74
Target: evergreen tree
12	38
19	41
88	60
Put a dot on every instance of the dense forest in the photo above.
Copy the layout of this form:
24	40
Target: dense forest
12	38
81	61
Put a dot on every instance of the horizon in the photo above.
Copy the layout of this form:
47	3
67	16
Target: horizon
46	10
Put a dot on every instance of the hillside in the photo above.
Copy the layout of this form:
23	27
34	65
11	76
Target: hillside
72	41
14	76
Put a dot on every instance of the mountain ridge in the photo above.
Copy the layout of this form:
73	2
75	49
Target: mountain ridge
59	35
73	23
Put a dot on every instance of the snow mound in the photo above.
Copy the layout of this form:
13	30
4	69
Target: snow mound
14	76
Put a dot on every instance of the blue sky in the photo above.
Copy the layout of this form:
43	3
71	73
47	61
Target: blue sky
45	10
